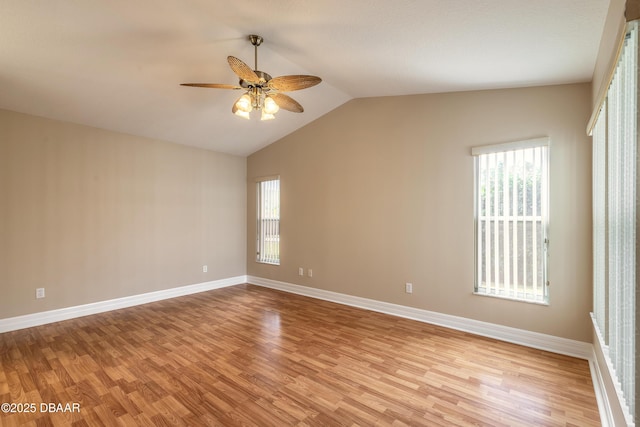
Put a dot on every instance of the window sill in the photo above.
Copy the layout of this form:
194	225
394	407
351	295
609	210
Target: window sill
527	301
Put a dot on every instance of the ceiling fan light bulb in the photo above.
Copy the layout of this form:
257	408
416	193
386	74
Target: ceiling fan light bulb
270	106
244	104
266	116
243	114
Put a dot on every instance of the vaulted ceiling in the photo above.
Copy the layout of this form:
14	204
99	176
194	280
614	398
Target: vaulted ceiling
117	64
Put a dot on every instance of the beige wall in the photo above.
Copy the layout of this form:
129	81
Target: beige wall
92	215
379	192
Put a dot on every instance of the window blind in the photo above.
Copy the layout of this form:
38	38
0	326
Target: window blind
616	216
268	221
511	208
599	223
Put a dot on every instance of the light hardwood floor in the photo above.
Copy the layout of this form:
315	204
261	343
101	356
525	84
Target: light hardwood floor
246	355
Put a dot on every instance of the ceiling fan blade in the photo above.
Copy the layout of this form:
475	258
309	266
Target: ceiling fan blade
212	85
293	82
242	70
286	102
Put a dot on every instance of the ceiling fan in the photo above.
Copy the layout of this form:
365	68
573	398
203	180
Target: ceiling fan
262	92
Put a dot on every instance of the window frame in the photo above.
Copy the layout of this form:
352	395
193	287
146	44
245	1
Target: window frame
543	142
259	222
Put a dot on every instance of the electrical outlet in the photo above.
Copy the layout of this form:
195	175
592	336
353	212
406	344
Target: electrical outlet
408	288
310	273
300	271
40	293
205	268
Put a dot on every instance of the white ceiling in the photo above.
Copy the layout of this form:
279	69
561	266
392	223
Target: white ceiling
117	64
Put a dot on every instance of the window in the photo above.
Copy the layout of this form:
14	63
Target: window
268	221
615	226
511	205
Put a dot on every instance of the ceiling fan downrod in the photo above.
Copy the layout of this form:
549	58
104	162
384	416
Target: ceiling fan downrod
255	41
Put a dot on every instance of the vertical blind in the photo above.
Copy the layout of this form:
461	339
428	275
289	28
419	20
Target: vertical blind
511	219
599	223
615	139
268	221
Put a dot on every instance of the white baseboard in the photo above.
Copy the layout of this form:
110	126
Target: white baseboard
36	319
602	398
611	403
518	336
536	340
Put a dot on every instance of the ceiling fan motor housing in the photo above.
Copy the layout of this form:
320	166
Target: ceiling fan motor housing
261	74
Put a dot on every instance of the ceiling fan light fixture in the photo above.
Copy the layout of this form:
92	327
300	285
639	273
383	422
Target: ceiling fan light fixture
270	106
243	114
267	116
244	104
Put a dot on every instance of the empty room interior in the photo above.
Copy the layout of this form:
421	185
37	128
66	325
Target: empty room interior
407	213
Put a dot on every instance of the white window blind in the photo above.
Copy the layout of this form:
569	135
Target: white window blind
599	221
615	219
268	221
511	206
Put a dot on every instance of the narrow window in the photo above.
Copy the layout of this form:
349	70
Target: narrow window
511	205
268	221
